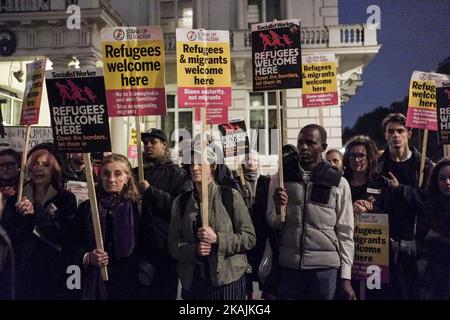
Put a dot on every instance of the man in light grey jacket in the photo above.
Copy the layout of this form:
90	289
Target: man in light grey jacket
317	236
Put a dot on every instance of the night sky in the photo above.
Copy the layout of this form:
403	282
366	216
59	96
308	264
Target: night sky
414	34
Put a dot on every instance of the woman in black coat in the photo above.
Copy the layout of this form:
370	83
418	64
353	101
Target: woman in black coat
117	198
41	228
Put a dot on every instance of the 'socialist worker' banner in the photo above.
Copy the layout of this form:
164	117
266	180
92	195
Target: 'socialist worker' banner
203	68
78	110
371	237
276	55
443	110
133	63
33	92
422	100
234	139
319	81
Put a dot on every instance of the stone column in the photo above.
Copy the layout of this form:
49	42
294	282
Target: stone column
60	62
198	14
288	9
241	17
88	60
118	135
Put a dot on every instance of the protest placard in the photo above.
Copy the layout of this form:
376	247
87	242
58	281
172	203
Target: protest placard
276	55
319	81
371	236
31	103
78	110
234	139
133	62
214	115
443	111
15	137
203	68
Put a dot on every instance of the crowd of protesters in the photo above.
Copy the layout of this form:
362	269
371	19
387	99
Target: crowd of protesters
294	242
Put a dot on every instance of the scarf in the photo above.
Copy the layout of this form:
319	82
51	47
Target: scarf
121	212
252	178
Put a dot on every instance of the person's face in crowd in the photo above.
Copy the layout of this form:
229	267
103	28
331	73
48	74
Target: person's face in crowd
252	162
154	148
8	168
397	135
444	180
196	172
335	159
358	159
114	176
41	170
77	158
310	148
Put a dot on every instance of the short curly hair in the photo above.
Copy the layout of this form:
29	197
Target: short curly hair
372	155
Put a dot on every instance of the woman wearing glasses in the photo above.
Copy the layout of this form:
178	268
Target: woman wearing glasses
9	173
360	159
367	187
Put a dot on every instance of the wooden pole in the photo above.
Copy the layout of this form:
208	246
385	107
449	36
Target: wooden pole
139	148
446	150
23	163
423	156
204	163
362	290
280	151
94	210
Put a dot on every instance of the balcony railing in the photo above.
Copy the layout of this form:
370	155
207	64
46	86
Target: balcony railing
354	35
25	5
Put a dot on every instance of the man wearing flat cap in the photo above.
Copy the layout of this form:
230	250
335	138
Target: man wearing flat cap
164	181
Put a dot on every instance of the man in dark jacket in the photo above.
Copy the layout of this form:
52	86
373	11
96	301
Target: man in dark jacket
164	181
6	265
400	164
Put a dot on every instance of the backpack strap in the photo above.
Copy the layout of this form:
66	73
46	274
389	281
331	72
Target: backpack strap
184	198
226	195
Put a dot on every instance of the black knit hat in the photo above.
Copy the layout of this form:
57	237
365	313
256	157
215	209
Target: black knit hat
50	147
154	133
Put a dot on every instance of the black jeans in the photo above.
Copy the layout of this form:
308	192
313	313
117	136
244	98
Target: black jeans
317	284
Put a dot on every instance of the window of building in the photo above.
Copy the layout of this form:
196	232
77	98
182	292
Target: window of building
176	14
177	122
11	108
263	122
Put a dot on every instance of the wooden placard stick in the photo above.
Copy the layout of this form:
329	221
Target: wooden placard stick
204	163
423	156
23	163
139	148
280	151
94	210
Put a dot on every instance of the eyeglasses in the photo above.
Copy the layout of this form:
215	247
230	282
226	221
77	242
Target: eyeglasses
7	165
360	156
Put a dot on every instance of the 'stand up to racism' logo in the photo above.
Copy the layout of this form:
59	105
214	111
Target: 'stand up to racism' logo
119	34
273	40
191	35
423	76
70	91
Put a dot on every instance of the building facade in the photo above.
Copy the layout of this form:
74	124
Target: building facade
41	31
